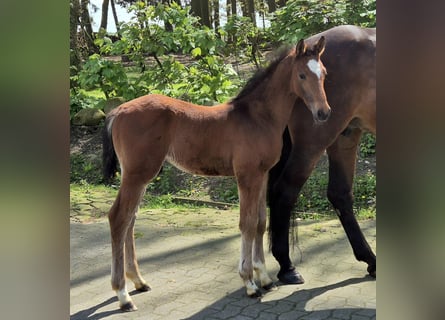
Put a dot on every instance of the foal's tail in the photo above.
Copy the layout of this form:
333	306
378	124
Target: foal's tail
109	158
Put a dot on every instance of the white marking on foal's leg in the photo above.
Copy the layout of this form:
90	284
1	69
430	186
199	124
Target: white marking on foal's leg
252	289
314	66
263	276
125	300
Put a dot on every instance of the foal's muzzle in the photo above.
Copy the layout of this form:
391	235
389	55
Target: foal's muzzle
323	115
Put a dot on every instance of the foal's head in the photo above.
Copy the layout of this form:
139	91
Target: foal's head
308	74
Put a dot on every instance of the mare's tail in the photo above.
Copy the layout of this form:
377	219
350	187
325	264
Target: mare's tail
109	158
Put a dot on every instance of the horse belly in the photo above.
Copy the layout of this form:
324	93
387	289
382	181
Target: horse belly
201	164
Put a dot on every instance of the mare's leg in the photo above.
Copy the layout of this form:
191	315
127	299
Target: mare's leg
259	264
249	189
342	160
121	217
284	188
132	269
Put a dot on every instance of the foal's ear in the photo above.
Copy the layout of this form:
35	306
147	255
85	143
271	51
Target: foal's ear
319	47
301	48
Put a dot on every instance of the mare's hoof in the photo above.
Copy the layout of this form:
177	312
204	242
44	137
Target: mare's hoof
144	288
372	271
129	306
290	276
270	287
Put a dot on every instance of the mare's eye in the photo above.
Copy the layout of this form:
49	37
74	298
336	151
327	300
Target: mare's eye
302	76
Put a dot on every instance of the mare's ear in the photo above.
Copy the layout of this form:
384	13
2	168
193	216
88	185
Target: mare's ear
319	47
301	48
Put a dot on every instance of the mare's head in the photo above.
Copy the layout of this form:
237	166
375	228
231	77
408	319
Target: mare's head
308	74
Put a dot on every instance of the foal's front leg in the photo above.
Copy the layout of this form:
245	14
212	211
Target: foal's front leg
259	264
250	189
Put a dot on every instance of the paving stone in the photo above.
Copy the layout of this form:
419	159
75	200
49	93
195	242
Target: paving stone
194	275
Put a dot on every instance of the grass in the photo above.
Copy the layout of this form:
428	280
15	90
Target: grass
90	202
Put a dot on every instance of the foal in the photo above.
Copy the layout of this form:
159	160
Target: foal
241	138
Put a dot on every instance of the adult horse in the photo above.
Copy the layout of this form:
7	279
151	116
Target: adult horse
241	138
350	87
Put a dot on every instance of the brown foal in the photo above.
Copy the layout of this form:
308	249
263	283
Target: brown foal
241	138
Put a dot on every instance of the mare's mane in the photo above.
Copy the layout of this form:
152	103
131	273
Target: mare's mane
261	75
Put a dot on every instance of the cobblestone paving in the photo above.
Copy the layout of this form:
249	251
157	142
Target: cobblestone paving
192	270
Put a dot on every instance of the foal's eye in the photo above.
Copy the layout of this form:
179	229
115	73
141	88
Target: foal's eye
302	76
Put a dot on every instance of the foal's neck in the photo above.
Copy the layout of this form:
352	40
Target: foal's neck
273	100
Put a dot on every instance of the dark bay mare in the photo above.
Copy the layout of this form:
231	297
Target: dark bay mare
350	87
241	138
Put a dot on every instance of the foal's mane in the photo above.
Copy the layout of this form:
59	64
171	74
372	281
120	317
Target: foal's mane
262	74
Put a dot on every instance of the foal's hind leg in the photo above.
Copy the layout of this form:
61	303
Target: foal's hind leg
121	217
259	264
342	161
132	269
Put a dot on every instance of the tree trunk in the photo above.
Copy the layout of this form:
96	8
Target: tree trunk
196	8
281	3
251	11
200	8
216	22
205	13
87	29
272	5
244	8
104	18
167	25
116	22
75	57
233	6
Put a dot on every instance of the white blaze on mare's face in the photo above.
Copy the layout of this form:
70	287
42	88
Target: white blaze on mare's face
314	66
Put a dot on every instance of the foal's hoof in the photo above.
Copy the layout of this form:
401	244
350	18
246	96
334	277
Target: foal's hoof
372	271
144	288
256	294
290	276
270	287
129	306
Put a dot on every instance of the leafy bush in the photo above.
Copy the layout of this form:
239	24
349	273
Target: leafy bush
244	40
84	169
206	79
79	100
302	18
367	145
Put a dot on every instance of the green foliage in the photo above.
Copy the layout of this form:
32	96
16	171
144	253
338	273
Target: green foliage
84	169
158	201
244	40
312	197
175	182
367	145
205	79
364	190
110	77
80	100
302	18
224	190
